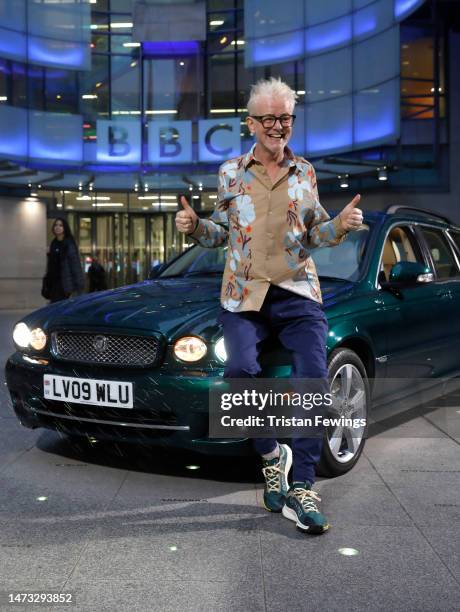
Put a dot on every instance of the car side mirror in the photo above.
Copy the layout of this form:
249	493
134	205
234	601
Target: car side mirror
410	273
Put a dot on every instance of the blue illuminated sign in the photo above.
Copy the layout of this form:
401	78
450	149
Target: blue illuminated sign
13	136
56	136
170	142
119	141
219	139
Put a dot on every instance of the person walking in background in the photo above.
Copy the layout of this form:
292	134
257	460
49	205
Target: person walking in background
64	274
96	276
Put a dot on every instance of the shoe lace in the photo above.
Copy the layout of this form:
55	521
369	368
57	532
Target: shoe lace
307	499
272	477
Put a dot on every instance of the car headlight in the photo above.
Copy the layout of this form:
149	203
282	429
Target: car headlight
24	337
219	350
190	348
21	335
37	339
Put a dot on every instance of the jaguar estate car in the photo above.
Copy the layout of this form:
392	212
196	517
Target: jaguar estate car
137	363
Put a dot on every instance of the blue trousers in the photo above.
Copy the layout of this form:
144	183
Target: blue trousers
301	326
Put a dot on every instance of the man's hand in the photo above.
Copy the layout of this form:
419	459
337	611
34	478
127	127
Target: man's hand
351	217
186	220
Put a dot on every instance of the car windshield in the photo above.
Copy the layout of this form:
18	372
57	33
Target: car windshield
341	262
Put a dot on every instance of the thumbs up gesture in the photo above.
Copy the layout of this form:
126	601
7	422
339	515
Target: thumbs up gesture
351	217
186	219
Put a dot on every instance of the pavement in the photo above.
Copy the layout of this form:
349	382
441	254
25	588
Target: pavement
134	529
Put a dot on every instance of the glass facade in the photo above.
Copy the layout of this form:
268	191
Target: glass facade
126	217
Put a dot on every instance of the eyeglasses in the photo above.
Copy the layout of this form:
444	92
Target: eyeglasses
269	121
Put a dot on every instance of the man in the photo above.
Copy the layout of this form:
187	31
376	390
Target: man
268	212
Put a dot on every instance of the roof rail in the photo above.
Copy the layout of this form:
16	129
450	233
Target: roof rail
394	208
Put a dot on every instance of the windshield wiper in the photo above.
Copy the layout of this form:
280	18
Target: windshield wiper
204	273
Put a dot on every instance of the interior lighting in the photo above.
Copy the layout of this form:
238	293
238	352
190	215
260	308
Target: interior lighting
108	204
161	112
382	174
228	110
343	181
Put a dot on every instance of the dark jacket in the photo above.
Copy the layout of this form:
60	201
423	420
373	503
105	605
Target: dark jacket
71	274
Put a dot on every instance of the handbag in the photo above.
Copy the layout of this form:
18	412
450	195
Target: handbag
46	288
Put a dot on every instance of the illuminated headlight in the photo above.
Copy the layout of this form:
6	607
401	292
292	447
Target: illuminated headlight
37	339
220	351
190	348
24	337
21	335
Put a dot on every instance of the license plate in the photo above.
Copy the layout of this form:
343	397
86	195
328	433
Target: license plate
88	391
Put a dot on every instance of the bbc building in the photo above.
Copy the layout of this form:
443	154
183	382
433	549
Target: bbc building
111	108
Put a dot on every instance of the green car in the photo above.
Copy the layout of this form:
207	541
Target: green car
137	363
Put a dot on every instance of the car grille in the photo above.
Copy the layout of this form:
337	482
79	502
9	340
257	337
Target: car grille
105	349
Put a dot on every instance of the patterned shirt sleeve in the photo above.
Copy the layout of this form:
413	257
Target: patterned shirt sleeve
213	232
321	229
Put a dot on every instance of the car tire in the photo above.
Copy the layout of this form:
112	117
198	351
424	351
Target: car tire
341	452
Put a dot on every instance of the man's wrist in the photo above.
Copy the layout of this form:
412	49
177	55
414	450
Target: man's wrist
195	228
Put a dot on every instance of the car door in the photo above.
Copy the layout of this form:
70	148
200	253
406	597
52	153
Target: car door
445	263
415	338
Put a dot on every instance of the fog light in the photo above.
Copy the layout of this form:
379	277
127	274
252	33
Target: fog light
190	348
220	351
37	339
21	335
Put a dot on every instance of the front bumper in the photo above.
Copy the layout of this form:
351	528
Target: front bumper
169	409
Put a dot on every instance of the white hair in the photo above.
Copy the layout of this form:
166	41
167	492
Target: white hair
270	88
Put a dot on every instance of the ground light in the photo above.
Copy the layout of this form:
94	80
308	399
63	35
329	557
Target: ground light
192	467
348	552
173	548
42	498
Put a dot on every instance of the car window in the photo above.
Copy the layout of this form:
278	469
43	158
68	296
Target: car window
443	258
400	245
342	262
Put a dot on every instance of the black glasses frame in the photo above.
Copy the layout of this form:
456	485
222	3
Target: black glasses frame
261	118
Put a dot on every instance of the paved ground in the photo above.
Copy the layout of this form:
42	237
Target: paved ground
126	530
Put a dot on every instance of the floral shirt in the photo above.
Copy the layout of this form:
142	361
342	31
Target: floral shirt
270	229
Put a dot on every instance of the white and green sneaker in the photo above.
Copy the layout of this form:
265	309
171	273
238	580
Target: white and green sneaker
276	473
300	506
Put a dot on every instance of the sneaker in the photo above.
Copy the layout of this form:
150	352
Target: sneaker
300	507
276	479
